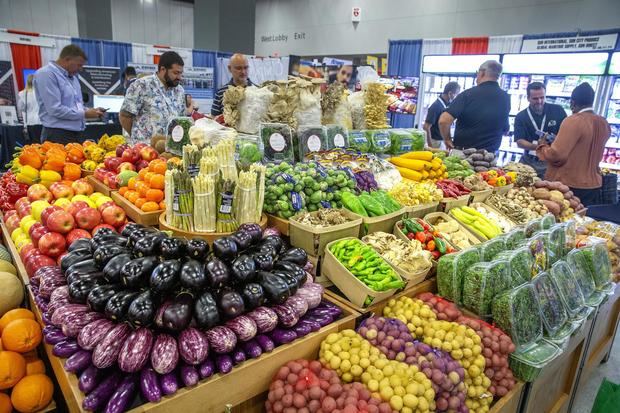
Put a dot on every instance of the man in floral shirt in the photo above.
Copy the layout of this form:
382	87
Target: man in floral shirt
153	100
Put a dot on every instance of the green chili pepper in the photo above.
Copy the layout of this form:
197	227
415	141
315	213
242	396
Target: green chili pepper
440	244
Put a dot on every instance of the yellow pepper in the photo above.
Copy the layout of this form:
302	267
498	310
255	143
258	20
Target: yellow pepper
51	176
29	171
501	181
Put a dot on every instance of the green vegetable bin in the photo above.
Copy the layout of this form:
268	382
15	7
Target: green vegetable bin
383	223
419	211
314	239
480	196
356	291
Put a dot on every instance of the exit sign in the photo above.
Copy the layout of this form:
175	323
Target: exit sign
356	14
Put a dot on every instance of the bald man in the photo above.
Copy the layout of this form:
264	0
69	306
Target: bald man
238	68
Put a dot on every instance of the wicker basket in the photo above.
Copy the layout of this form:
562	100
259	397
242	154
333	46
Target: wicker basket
418	211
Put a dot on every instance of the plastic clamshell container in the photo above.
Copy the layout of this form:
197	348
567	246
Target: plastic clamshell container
246	149
567	286
576	261
517	312
177	133
532	227
337	136
314	239
557	242
311	138
515	237
552	310
537	247
482	282
599	265
451	270
563	335
570	230
520	262
277	141
489	249
595	299
547	221
526	365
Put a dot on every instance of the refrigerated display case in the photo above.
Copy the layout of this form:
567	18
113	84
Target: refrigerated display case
611	157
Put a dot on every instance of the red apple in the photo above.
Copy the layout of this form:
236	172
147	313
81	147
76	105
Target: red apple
21	201
88	218
36	261
105	205
26	251
82	187
37	191
138	146
141	164
114	215
75	235
60	221
148	153
121	148
60	190
36	232
13	223
76	206
125	166
52	244
9	214
24	210
112	163
98	227
49	211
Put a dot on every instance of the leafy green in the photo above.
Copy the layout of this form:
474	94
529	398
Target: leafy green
552	311
527	365
491	248
401	141
337	137
379	140
547	221
277	140
567	287
482	282
517	312
533	227
311	139
178	134
576	261
359	141
451	270
514	238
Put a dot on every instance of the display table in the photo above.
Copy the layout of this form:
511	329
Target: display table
12	136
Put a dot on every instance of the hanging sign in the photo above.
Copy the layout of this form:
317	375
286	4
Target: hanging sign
570	44
158	51
143	68
27	39
356	14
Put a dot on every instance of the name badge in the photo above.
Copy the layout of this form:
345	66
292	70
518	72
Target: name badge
552	123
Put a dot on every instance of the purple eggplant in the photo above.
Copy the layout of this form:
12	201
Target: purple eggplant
243	269
205	311
281	336
265	318
159	315
89	379
206	369
106	352
169	383
242	239
286	315
72	325
275	241
225	248
136	349
265	343
221	339
253	229
102	393
312	325
123	395
192	276
243	326
54	337
301	329
65	348
295	255
189	375
217	273
193	346
174	247
65	311
149	385
78	361
252	349
312	295
322	319
298	304
197	249
93	333
238	356
165	276
178	315
142	310
165	354
224	363
230	304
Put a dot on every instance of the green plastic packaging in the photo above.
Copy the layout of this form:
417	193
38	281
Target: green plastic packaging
359	141
401	141
526	365
337	136
567	287
379	140
451	270
551	308
517	312
482	282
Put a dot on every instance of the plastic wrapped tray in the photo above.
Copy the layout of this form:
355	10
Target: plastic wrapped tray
401	141
562	337
527	365
337	136
537	247
517	312
379	140
552	310
557	243
359	141
482	282
451	269
310	138
567	286
532	227
277	141
248	150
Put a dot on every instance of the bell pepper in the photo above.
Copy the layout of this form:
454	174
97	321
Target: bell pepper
353	204
420	236
371	205
430	246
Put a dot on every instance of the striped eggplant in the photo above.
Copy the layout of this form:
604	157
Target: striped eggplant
165	354
106	352
73	324
93	333
193	346
135	351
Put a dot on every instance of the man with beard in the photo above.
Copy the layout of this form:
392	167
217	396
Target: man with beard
153	100
534	122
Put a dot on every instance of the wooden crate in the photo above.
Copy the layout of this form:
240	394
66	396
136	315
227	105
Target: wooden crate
502	190
511	401
447	204
86	173
99	186
280	224
245	385
551	391
135	213
418	211
480	196
313	240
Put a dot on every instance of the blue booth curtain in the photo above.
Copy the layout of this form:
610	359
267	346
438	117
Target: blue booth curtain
116	54
92	48
404	59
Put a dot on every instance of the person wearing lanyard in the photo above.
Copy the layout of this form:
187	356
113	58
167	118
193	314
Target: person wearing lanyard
59	95
538	119
573	157
152	101
431	125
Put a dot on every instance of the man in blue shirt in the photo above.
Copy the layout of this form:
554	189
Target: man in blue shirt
238	67
59	95
431	124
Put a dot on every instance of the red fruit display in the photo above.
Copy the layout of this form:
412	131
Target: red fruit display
82	187
76	234
37	192
36	261
37	230
114	215
61	222
60	190
49	211
87	218
52	244
12	223
76	206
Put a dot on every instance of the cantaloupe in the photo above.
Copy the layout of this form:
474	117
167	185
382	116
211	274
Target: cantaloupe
6	266
11	292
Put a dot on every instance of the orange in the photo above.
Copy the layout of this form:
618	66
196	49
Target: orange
150	206
34	366
32	393
139	202
158	166
155	195
142	172
148	176
131	184
140	185
162	205
5	403
15	314
132	197
122	190
157	181
21	335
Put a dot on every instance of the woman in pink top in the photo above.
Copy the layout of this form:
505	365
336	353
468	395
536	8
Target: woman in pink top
574	156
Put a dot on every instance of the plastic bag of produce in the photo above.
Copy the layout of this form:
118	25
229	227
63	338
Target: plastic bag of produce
489	249
178	134
277	141
359	140
253	109
311	139
482	282
419	139
451	269
337	136
206	131
379	140
309	105
552	311
568	288
356	103
527	364
401	141
570	231
248	150
517	313
335	106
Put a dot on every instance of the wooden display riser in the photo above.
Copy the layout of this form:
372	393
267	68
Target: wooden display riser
99	186
551	392
602	335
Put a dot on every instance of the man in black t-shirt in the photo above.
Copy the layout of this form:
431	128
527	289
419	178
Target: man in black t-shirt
535	121
431	126
481	113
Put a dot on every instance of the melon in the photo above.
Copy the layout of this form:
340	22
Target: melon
5	254
11	292
6	266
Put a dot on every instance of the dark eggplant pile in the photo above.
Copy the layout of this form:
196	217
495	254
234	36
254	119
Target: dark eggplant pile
166	312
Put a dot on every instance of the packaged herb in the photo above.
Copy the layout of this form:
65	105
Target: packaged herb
562	337
359	141
551	309
248	150
520	262
311	139
517	312
514	238
570	231
401	141
583	314
489	249
337	136
178	134
596	264
567	287
379	140
547	221
277	140
538	249
577	263
418	139
557	242
451	270
482	282
532	227
526	365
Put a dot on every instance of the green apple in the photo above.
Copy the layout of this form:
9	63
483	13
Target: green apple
37	207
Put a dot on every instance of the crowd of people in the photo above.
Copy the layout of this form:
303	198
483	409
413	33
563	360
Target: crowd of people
561	148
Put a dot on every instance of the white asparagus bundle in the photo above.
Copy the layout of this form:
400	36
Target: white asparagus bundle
205	217
245	197
225	152
168	194
208	165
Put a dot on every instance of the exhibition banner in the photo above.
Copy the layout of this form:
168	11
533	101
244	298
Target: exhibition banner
7	84
570	44
100	80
